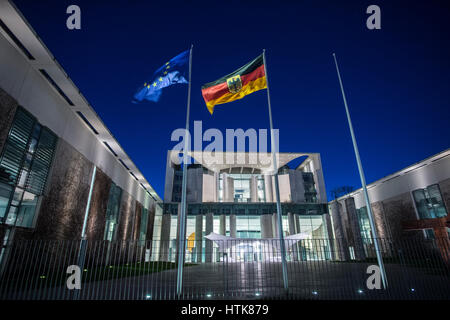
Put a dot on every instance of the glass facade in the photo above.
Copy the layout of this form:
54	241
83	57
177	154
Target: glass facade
24	167
248	227
314	247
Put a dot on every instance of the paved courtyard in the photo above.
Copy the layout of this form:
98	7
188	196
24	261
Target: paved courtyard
255	280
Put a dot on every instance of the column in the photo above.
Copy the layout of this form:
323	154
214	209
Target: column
198	236
228	188
341	247
233	226
268	188
179	236
329	232
355	229
297	230
254	189
209	227
222	224
165	237
275	225
266	226
297	223
291	245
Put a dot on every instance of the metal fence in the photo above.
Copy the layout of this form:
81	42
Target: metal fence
235	269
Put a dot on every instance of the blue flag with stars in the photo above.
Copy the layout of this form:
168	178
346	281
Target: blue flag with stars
172	72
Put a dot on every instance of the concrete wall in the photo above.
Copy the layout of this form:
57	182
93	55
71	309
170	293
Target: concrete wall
194	190
170	174
285	188
297	186
209	188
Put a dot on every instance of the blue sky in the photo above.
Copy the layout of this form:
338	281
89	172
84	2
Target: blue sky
396	79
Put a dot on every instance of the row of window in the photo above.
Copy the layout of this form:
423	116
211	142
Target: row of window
242	189
25	163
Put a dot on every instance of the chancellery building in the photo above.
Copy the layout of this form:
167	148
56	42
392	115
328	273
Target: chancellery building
238	200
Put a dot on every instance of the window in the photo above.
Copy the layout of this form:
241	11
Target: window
261	189
144	224
24	166
364	224
177	184
429	202
248	227
310	190
112	212
5	195
220	188
241	184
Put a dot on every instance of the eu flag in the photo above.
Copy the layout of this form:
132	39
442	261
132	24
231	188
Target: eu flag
172	72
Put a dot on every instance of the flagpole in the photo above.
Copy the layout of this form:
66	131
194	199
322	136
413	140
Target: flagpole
182	234
363	182
277	188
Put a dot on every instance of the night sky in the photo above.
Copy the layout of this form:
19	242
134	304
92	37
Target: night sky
397	79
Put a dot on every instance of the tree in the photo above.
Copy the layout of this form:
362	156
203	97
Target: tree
340	191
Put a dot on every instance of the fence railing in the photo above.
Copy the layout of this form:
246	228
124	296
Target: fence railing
227	269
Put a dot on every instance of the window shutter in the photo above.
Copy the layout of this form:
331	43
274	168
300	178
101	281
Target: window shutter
41	162
16	146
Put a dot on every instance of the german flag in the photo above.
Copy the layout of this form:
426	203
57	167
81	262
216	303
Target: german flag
236	85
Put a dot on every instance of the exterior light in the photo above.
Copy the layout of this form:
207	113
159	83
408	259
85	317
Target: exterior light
315	293
85	270
257	294
412	289
148	296
360	291
209	295
42	277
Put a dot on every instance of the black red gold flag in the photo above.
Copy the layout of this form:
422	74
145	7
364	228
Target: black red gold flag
236	85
